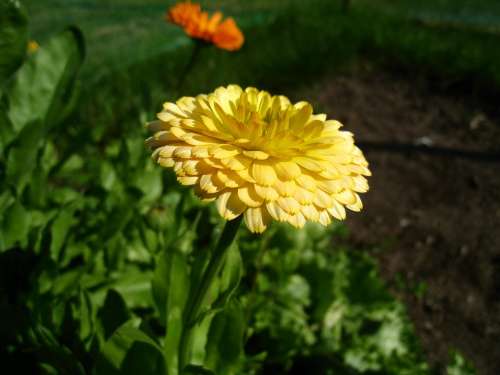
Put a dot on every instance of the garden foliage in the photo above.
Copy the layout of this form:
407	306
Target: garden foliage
100	253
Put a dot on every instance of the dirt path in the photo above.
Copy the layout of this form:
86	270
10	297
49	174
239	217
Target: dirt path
435	218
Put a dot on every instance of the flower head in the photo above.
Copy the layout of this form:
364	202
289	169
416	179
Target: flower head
32	46
261	156
200	25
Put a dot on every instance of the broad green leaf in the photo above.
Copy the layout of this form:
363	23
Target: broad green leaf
225	340
13	37
16	225
230	276
43	85
196	370
108	176
127	343
225	284
86	317
21	160
170	288
59	230
55	354
7	133
112	314
66	283
134	286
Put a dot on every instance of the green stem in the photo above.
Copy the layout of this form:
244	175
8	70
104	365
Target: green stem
189	66
195	305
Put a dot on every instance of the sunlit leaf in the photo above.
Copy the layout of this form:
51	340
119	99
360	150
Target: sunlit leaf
170	288
42	86
16	225
59	230
225	340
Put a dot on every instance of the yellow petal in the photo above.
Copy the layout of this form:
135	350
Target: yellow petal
237	163
276	212
249	196
307	182
360	184
256	154
224	151
310	212
187	180
303	196
229	205
263	173
309	163
357	205
285	188
289	204
324	218
322	199
165	151
200	152
337	210
266	192
346	197
214	163
182	152
298	220
331	186
208	184
301	116
257	220
156	126
166	162
229	178
287	170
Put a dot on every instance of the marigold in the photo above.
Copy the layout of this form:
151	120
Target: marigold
32	46
198	24
261	156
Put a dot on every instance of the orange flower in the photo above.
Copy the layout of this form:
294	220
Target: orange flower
197	24
181	14
228	36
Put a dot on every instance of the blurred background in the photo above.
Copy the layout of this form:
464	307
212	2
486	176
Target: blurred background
411	285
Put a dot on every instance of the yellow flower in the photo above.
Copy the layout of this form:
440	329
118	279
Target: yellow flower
261	156
33	46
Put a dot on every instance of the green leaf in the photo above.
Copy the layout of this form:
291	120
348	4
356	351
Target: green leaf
170	288
21	160
66	283
13	37
230	276
134	286
7	133
15	226
112	314
196	370
55	354
108	176
225	340
43	85
130	351
86	316
59	230
225	285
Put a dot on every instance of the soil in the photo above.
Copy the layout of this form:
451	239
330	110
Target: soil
432	220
